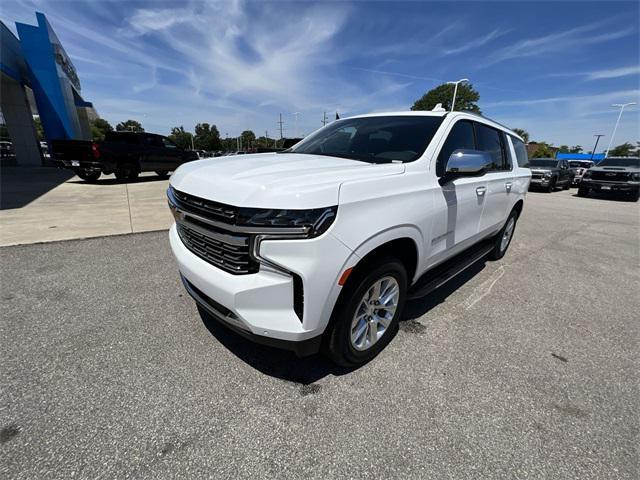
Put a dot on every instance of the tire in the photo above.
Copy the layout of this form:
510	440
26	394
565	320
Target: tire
162	173
354	340
127	171
500	247
552	185
583	191
635	196
567	186
89	176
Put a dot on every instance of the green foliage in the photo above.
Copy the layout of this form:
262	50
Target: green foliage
99	127
129	126
567	149
181	137
544	150
39	130
523	133
624	150
466	98
248	139
207	137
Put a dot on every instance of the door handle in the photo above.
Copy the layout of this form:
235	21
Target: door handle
480	191
508	186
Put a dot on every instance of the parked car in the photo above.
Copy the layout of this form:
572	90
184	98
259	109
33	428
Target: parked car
124	153
318	247
44	149
579	167
549	173
613	175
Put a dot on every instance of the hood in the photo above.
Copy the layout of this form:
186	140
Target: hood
275	180
615	169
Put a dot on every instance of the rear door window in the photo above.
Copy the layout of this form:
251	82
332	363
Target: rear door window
490	141
521	152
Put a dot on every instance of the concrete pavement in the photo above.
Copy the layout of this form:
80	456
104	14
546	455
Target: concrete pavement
47	204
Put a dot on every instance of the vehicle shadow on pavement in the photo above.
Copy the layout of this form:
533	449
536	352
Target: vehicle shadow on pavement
272	361
414	309
115	181
307	370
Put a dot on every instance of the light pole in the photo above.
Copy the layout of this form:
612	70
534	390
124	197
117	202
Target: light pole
593	152
455	90
621	106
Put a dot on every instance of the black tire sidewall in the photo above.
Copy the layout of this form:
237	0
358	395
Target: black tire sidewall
497	253
341	350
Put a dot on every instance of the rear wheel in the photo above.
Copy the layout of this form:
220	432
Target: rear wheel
88	175
367	314
503	238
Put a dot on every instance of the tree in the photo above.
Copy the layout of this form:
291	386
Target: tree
39	130
247	138
207	137
544	150
523	134
466	98
129	126
181	137
624	150
576	149
99	128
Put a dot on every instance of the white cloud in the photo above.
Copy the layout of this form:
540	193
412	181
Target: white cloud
614	73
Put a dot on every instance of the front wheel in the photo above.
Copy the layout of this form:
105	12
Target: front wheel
567	186
503	238
367	313
583	192
552	185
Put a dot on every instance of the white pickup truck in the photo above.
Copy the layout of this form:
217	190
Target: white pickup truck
318	247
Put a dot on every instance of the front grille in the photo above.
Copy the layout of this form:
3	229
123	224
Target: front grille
232	257
213	210
536	175
610	176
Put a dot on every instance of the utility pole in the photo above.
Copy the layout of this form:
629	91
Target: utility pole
621	105
280	123
324	119
593	152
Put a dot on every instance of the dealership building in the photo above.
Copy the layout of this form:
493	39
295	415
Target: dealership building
38	78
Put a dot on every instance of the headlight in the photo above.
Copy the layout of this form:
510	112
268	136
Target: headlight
547	174
635	177
317	220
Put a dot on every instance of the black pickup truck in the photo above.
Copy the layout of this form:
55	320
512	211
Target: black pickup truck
549	173
125	154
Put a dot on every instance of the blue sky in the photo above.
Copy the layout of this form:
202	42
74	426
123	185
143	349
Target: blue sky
552	68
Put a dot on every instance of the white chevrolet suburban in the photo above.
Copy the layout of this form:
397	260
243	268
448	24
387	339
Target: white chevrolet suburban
319	246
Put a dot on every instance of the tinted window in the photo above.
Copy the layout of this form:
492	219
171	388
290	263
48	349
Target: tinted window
373	139
122	137
489	141
460	138
508	160
543	162
168	143
153	141
521	152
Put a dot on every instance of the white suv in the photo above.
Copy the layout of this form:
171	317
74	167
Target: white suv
319	246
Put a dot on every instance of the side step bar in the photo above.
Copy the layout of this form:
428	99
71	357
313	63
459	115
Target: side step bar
444	272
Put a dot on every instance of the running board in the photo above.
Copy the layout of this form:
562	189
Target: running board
444	272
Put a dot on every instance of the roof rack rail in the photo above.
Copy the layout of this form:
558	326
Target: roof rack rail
476	114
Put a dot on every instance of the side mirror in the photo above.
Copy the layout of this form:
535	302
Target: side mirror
468	163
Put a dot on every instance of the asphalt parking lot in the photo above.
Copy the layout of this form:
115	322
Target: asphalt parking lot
523	368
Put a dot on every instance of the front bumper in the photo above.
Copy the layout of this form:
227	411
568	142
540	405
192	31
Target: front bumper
261	305
600	186
539	182
77	164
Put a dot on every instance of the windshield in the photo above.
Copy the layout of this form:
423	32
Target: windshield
537	162
373	139
620	162
578	164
